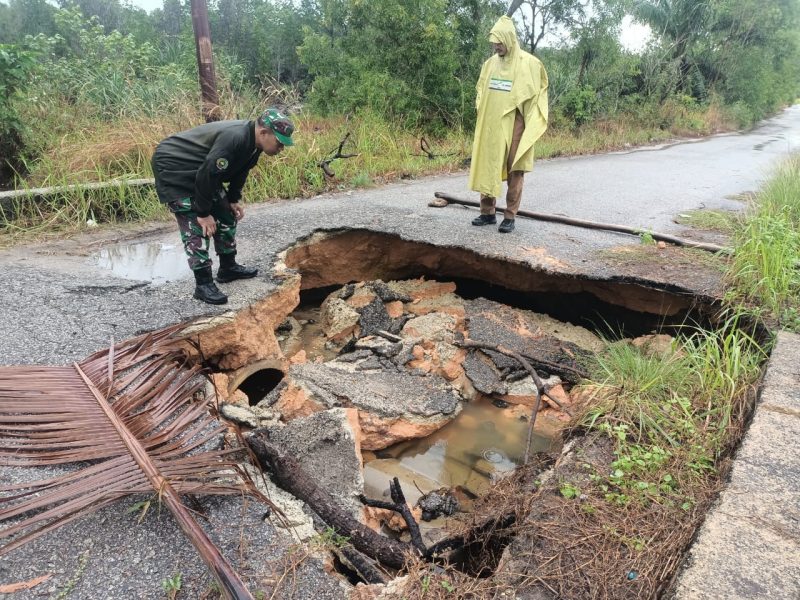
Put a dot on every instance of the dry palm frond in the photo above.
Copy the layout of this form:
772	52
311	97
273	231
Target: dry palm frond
131	411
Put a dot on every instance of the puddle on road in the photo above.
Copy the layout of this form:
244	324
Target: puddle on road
156	262
480	445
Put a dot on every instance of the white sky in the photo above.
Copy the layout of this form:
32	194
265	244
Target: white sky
148	5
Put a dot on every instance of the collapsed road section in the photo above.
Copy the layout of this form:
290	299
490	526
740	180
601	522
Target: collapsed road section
398	389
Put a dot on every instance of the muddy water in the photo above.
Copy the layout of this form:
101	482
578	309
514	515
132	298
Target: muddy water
307	335
472	451
150	261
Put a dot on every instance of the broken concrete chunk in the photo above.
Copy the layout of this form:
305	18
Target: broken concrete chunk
500	325
339	319
272	396
238	414
384	393
355	356
438	503
374	318
347	291
388	294
393	406
420	289
483	374
373	363
379	345
435	327
395	309
327	445
361	297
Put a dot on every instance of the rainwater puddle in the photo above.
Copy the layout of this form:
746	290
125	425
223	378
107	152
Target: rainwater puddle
480	445
156	262
306	334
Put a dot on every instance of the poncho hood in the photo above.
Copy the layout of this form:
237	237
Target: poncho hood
505	32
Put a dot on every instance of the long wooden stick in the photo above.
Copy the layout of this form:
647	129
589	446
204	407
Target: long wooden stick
663	237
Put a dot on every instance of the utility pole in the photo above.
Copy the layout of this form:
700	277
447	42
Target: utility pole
205	61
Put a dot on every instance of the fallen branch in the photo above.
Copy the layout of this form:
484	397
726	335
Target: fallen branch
400	506
358	562
449	199
426	148
290	476
571	374
325	164
540	391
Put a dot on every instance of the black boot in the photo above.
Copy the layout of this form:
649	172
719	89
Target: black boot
507	226
229	270
206	290
484	220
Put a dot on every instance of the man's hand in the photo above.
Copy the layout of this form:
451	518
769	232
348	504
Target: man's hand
237	210
208	224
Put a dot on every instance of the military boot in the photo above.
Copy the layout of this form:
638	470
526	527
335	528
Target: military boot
229	270
484	220
206	290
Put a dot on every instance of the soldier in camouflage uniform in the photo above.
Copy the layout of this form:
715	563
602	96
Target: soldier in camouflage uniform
190	169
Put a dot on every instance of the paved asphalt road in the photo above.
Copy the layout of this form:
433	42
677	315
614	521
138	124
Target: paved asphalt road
59	303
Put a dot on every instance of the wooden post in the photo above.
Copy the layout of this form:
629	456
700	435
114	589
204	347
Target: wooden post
205	61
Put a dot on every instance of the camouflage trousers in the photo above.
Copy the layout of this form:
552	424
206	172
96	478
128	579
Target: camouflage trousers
195	244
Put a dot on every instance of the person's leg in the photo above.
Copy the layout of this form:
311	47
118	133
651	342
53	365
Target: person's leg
225	245
487	212
514	179
195	244
514	194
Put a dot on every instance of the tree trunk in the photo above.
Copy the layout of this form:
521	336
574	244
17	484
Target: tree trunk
289	475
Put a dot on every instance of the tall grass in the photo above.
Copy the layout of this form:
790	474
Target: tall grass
671	413
764	274
107	128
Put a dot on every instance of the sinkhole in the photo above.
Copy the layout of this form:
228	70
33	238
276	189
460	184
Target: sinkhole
377	328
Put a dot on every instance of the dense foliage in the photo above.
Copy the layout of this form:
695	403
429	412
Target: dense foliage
411	62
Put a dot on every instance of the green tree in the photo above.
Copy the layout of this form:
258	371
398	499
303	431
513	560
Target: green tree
25	17
753	53
15	67
682	26
413	59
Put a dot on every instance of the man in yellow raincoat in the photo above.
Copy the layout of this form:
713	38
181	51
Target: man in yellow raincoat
512	115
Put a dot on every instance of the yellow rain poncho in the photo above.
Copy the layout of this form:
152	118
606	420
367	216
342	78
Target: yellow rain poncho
516	81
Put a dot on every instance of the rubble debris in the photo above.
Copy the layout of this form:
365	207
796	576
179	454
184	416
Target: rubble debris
438	503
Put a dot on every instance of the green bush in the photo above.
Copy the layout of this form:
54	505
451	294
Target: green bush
580	105
15	67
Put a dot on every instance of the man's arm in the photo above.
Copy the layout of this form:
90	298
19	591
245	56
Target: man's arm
479	86
217	164
236	185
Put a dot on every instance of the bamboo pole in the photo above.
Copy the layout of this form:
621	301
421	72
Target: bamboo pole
450	199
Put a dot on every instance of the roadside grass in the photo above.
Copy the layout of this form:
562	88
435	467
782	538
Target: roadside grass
725	221
84	145
54	215
763	277
671	414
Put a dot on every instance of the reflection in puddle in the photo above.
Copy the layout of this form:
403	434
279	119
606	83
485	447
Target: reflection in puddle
479	445
151	261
